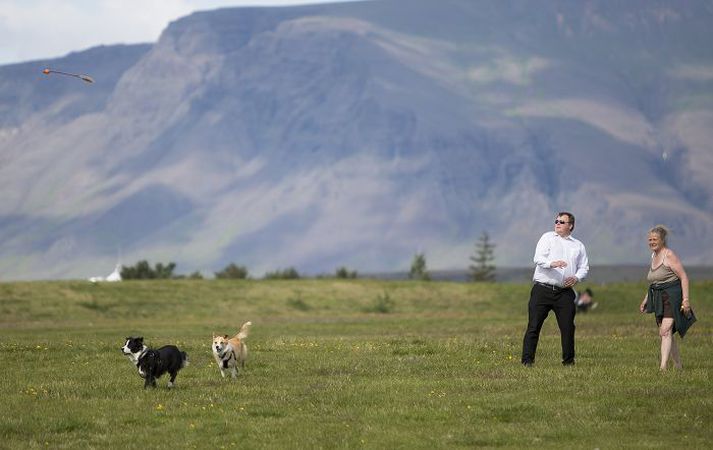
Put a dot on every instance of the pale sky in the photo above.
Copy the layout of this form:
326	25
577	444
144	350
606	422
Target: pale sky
39	29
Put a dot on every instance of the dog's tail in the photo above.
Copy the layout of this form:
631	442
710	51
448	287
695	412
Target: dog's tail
184	361
243	333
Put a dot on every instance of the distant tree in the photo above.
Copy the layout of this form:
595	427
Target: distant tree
286	274
166	271
233	272
140	271
196	275
418	268
143	271
483	268
343	272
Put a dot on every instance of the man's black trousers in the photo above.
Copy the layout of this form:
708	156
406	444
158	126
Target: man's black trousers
544	299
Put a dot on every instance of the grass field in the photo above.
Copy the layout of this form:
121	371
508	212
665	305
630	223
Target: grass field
343	364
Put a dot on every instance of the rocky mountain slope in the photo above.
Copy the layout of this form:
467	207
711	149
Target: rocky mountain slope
360	133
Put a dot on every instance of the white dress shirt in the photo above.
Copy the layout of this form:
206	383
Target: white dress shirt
553	247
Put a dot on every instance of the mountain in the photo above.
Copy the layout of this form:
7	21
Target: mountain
361	133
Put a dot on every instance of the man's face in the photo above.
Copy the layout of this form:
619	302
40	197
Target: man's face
562	226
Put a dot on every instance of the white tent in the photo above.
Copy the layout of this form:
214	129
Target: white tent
114	276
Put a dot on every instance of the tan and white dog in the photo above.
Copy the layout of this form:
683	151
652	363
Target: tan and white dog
228	353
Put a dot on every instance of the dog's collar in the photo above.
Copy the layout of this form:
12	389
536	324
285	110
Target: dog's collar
230	356
225	351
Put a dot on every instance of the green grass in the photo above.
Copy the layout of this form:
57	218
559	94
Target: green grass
343	364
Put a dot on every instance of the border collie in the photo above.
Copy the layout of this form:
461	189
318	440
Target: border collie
153	363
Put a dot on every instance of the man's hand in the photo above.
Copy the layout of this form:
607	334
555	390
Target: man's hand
570	281
558	263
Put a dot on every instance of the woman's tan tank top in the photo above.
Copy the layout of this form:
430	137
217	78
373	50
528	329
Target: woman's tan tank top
662	274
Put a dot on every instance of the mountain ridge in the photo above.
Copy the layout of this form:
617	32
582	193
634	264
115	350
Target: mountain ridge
360	133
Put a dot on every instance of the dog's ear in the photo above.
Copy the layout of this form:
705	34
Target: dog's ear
140	339
225	336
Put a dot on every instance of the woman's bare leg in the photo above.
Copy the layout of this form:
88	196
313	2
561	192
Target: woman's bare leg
666	339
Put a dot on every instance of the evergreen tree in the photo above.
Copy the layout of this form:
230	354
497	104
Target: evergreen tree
418	268
483	268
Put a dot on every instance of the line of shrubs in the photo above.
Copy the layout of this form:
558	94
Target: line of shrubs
142	270
481	269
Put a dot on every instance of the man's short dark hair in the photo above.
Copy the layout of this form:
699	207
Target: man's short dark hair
570	218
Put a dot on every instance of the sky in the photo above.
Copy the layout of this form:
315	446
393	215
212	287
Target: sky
40	29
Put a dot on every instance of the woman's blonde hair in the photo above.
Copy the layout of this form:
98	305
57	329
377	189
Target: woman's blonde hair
661	230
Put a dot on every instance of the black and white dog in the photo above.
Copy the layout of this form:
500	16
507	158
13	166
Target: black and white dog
154	363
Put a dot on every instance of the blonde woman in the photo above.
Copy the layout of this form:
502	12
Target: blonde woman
668	296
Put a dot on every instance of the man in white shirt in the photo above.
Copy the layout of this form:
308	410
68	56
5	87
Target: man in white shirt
560	263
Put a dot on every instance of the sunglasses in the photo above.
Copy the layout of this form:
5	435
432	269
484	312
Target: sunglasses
560	222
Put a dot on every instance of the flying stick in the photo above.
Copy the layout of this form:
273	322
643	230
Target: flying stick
82	77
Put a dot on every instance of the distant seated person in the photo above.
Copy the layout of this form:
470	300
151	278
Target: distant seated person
585	301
